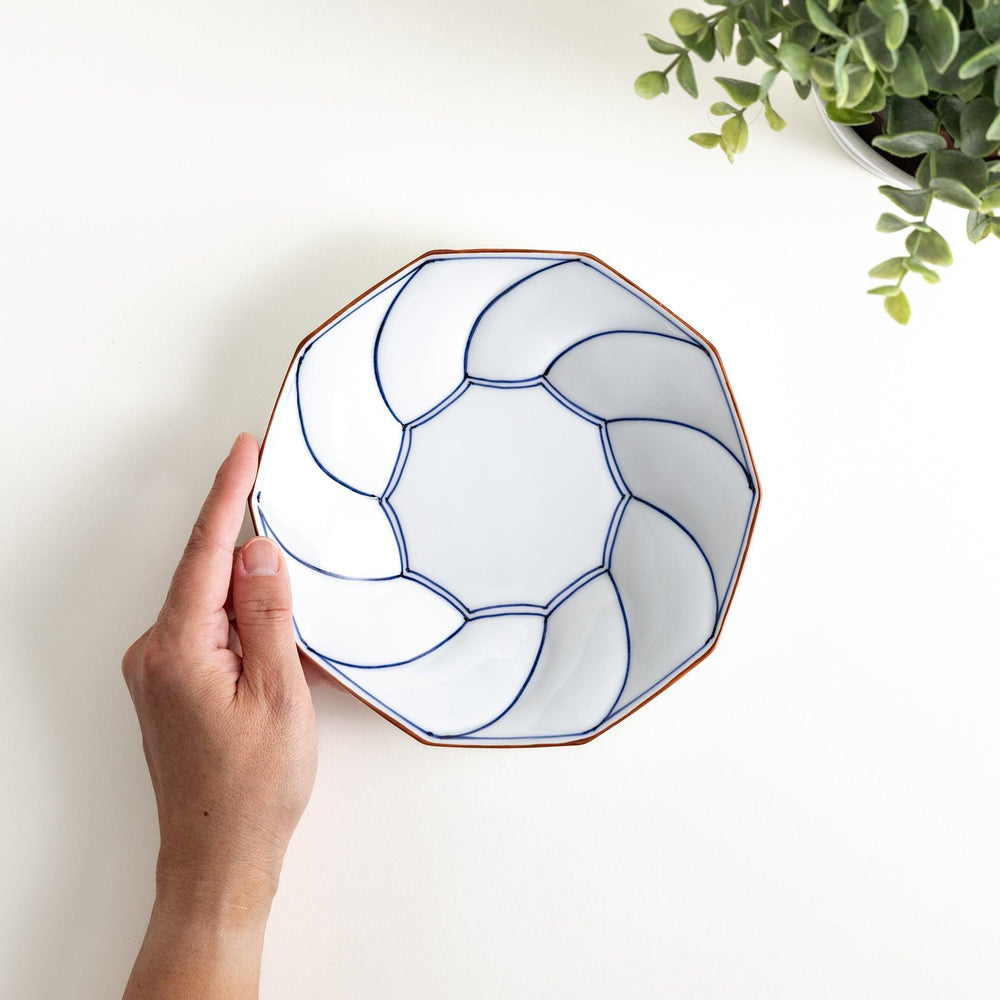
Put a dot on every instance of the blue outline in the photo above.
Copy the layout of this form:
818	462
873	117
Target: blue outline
711	572
397	530
663	680
612	460
740	552
574	587
496	298
532	609
610	333
670	320
453	397
305	436
514	700
435	588
502	383
312	343
397	469
680	423
613	528
378	341
628	654
667	336
379	666
271	533
683	336
562	400
337	320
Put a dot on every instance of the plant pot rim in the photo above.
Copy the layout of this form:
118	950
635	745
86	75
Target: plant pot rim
862	153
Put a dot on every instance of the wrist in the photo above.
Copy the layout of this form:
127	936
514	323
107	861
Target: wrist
228	896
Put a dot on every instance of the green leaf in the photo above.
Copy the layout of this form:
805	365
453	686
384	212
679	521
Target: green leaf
892	268
931	247
840	68
909	143
745	52
874	100
821	70
651	84
896	25
911	202
890	223
775	120
724	33
907	114
846	116
914	265
707	140
973	173
796	59
990	198
818	17
685	75
987	21
898	307
954	192
938	30
742	92
908	78
871	31
664	48
993	132
977	226
703	46
976	119
885	290
883	8
859	81
735	134
981	61
767	81
687	22
723	108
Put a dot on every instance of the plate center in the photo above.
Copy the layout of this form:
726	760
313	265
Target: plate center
505	497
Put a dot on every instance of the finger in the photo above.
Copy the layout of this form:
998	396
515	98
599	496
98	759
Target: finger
201	581
262	600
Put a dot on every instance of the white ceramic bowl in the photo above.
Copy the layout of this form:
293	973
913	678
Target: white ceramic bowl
514	495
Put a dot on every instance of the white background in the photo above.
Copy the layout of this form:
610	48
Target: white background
191	187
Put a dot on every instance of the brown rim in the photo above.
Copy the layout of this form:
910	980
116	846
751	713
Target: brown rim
739	570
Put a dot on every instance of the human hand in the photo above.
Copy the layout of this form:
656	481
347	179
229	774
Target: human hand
230	739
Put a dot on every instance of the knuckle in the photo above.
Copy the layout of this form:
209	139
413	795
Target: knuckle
265	608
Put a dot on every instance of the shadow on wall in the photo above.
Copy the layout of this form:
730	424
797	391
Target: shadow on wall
83	917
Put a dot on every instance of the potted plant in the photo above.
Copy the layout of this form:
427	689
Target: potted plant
923	76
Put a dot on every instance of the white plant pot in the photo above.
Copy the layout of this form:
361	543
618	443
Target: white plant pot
859	151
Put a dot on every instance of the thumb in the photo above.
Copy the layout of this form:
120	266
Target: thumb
262	604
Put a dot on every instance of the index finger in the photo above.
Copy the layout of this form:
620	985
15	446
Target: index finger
201	581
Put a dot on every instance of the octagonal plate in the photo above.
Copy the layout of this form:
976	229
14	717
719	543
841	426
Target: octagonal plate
514	495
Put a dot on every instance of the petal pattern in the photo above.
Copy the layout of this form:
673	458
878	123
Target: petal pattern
580	671
367	623
513	493
667	592
692	477
323	522
463	684
420	355
345	422
521	331
645	375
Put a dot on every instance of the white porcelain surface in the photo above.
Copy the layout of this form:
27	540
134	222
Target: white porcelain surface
514	495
